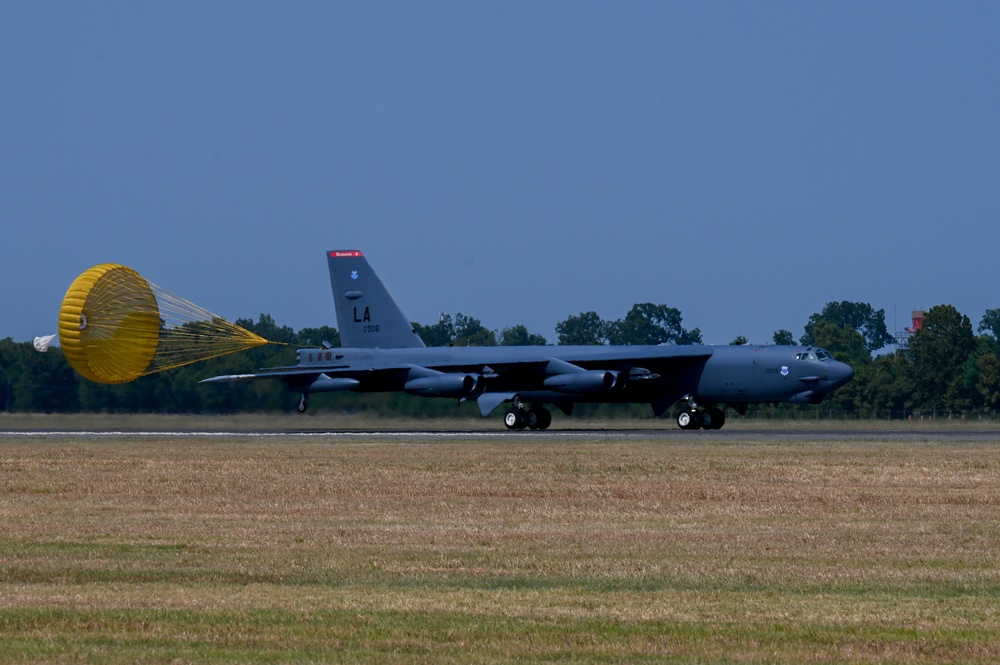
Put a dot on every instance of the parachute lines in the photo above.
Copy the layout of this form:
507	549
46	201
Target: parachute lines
114	326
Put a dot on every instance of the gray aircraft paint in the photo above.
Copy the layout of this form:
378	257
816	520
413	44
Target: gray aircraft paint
367	315
382	353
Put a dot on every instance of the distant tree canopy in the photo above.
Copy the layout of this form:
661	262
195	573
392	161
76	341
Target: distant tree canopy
465	330
519	336
939	351
584	329
944	367
647	323
783	337
991	323
860	317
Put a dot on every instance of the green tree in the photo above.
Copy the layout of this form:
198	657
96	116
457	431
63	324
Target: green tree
519	336
471	332
269	330
988	381
991	322
783	337
10	371
858	316
739	341
939	351
886	386
461	330
441	333
647	323
316	336
33	381
584	329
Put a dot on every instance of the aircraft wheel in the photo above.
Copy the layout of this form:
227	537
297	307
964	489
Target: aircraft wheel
539	418
718	418
515	419
687	419
302	405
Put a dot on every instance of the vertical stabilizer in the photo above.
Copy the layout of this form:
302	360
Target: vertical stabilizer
367	316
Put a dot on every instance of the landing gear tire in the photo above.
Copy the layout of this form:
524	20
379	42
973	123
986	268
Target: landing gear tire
710	418
688	419
303	405
539	418
515	419
716	419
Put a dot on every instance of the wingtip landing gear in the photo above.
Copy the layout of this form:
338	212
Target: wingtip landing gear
303	404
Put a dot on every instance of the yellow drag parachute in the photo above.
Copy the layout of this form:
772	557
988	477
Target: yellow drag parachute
114	327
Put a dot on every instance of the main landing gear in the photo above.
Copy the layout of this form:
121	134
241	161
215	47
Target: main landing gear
519	417
694	417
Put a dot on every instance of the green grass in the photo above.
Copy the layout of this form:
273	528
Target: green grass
274	550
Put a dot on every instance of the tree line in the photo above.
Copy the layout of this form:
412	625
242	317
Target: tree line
945	366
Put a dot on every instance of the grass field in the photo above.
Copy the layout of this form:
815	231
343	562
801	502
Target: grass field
280	550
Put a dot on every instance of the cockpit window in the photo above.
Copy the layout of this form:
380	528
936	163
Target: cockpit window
818	354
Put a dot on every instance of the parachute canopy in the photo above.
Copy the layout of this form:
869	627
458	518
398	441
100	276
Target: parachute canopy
114	327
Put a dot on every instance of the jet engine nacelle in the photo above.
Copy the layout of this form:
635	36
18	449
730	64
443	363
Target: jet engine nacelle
593	381
445	385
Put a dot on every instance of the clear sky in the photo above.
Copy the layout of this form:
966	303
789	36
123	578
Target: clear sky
744	162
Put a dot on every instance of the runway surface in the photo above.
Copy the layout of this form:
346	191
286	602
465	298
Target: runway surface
568	435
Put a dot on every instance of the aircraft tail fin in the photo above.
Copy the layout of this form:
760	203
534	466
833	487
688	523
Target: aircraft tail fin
367	316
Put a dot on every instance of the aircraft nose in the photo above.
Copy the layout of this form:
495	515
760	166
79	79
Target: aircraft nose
841	374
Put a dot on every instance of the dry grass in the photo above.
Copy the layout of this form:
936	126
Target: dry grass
278	550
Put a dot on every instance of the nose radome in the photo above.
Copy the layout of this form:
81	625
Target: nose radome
843	374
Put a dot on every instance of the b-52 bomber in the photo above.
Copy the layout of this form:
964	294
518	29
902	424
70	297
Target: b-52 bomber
382	352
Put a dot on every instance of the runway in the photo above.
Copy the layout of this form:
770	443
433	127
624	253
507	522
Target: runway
900	435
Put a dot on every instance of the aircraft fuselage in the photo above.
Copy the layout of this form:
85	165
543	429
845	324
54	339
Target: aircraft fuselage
710	374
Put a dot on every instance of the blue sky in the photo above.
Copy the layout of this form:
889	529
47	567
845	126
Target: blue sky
517	162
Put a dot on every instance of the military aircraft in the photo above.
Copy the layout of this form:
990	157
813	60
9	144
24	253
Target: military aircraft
382	352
